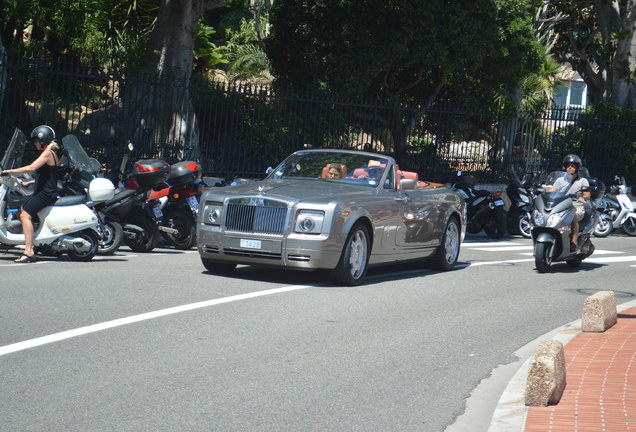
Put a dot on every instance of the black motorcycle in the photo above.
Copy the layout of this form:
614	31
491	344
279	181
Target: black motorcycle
521	194
485	209
125	216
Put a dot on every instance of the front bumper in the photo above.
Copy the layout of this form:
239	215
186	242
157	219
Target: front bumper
301	251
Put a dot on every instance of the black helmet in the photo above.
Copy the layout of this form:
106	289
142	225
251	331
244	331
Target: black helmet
572	159
44	133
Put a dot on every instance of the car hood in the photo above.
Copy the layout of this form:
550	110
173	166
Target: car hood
295	190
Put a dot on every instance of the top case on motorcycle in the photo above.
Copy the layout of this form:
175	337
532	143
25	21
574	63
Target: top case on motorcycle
183	173
151	172
597	188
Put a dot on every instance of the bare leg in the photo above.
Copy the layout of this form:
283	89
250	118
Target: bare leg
575	232
27	229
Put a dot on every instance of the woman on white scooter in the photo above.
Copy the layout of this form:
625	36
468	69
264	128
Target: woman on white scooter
46	193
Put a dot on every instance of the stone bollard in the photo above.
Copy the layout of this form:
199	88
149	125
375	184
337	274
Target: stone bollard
599	312
546	375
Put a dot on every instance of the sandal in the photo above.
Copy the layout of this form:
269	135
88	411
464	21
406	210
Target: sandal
24	258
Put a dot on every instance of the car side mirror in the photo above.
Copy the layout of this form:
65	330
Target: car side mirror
408	184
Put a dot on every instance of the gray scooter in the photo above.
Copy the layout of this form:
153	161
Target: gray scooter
552	220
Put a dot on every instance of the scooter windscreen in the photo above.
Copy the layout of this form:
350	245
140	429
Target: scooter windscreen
556	188
77	155
15	150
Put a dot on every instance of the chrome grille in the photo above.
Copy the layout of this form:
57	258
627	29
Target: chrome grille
256	215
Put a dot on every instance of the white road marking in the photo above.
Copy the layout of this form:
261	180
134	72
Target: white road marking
483	244
57	337
504	248
610	259
475	264
596	252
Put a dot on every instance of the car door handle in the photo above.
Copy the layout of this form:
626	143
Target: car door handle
404	199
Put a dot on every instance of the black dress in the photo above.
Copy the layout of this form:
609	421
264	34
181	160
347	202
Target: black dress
46	192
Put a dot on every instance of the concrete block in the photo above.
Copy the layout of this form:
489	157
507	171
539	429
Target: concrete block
546	375
599	312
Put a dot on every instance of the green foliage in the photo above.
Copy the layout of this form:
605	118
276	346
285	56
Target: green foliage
206	54
113	32
399	48
598	125
244	52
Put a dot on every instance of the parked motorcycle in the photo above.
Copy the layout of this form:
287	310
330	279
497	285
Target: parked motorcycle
80	171
127	208
521	194
616	213
552	220
176	206
485	209
68	226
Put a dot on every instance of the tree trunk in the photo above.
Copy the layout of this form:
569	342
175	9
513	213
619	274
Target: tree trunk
163	118
3	72
624	61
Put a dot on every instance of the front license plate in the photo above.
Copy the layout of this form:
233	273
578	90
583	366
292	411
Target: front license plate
192	202
499	203
157	211
250	244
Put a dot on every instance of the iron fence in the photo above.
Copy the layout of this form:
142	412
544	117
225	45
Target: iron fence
242	129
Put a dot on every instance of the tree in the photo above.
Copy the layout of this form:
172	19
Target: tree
404	51
599	42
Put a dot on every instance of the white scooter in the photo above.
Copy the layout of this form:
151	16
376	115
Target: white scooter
69	226
617	213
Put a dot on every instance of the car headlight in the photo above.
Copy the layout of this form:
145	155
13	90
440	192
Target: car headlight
554	219
309	221
212	213
538	218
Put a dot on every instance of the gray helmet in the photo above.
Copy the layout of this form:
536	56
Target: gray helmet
572	159
44	133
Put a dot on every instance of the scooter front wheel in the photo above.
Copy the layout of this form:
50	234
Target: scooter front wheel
524	225
603	228
629	227
542	258
112	236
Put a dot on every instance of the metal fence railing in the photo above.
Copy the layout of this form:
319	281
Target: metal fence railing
240	130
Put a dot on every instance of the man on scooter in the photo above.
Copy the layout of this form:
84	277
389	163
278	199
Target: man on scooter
572	185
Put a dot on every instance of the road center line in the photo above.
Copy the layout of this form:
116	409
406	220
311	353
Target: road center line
68	334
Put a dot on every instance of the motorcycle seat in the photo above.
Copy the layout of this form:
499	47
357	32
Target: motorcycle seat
70	200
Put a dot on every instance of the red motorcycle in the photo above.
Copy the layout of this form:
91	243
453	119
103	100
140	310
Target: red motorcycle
175	207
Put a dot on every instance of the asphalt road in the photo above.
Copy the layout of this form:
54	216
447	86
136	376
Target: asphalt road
139	342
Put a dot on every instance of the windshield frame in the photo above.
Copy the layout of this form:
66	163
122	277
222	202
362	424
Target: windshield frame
363	169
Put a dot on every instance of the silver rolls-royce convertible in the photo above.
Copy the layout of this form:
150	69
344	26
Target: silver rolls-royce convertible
331	209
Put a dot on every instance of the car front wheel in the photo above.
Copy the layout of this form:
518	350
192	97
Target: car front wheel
354	260
447	253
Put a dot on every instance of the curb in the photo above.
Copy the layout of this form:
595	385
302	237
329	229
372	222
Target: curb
511	411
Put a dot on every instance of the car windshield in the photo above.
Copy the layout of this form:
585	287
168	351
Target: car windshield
353	168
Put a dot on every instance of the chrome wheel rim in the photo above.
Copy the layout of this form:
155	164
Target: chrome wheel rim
525	227
358	254
451	243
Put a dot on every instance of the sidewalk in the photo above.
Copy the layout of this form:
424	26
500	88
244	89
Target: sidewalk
600	394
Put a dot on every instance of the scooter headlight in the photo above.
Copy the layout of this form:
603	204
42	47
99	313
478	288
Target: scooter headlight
538	218
554	219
